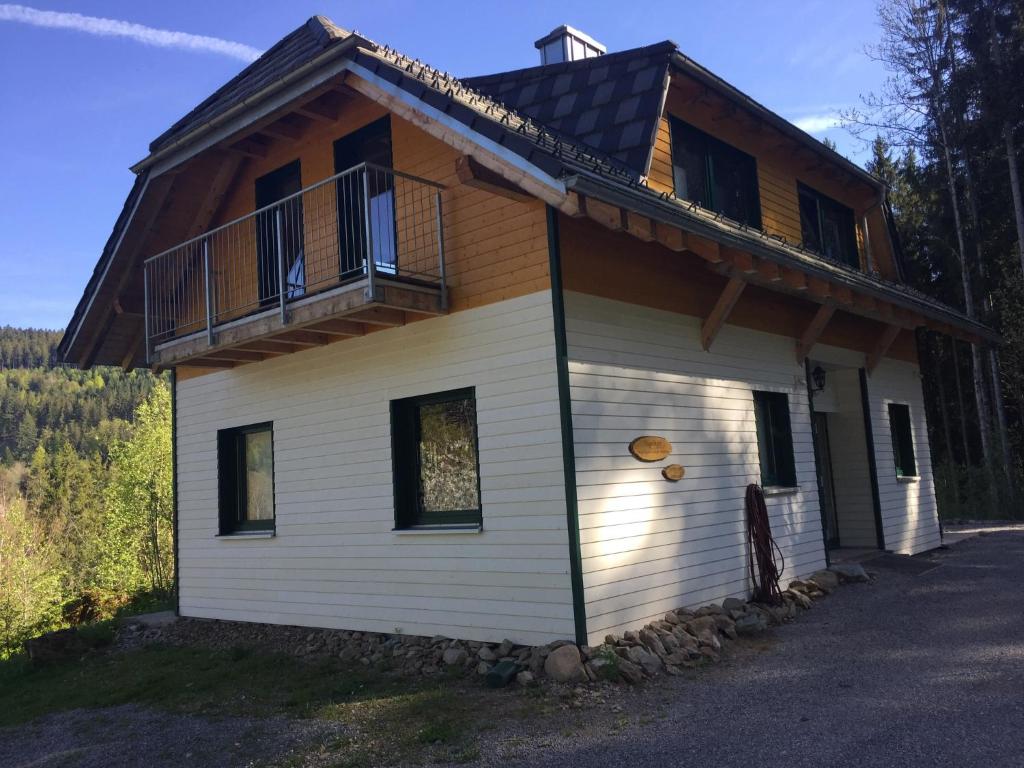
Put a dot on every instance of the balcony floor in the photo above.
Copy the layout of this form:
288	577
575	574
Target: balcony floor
343	312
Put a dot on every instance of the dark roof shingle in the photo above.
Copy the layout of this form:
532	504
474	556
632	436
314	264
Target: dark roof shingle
611	103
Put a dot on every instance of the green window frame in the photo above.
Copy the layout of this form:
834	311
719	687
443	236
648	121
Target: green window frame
436	460
713	174
774	439
245	473
902	440
827	226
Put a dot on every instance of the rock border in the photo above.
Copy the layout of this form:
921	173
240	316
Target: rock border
682	639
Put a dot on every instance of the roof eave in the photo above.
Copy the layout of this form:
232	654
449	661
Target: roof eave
667	212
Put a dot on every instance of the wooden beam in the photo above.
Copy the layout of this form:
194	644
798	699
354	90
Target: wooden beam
380	316
240	355
284	129
813	331
226	174
671	237
640	227
875	356
740	260
473	174
304	338
707	249
316	110
726	301
339	328
603	213
794	279
250	147
818	288
205	362
128	361
842	295
769	270
270	345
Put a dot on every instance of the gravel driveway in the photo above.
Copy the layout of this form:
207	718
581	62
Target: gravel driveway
924	670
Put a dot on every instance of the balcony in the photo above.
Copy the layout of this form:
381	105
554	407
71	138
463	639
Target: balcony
359	250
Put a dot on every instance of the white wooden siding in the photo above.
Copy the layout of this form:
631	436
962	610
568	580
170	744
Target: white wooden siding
649	545
851	475
909	513
335	561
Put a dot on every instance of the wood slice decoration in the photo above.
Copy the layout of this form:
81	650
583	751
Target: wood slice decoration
674	472
650	448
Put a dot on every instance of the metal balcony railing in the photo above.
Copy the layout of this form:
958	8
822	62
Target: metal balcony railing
368	222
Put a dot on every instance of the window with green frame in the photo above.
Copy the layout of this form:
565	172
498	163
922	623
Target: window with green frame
435	459
902	440
827	226
774	439
714	175
245	459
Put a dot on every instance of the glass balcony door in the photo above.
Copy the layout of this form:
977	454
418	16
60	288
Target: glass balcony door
278	229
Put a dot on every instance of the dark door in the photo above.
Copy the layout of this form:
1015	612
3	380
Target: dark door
279	233
823	460
370	144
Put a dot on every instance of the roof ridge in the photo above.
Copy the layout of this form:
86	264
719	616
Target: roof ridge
546	70
326	30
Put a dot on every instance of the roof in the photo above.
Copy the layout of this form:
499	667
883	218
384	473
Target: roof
611	103
589	123
293	50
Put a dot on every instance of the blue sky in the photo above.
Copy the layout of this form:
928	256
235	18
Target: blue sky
83	98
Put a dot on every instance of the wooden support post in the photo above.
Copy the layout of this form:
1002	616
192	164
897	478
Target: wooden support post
813	331
875	356
726	301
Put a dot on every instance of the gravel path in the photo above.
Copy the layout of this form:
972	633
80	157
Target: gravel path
923	670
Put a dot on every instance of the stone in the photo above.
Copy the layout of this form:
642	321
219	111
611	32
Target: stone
709	639
726	626
850	572
701	624
612	640
454	656
672	618
504	649
680	657
649	662
751	624
630	636
670	643
652	642
564	665
825	580
672	670
630	672
525	677
483	668
486	654
799	598
731	604
709	610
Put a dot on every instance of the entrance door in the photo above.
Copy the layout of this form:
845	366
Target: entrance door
370	144
279	234
823	460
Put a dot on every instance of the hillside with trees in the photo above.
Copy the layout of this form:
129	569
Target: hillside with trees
947	130
85	488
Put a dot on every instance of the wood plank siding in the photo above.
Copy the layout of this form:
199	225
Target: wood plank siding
909	512
495	247
649	545
781	165
335	561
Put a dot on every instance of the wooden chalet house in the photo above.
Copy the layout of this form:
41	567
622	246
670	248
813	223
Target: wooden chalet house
416	323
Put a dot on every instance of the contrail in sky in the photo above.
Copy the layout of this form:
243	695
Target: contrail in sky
94	25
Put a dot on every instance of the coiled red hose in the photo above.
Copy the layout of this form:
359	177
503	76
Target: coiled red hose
762	549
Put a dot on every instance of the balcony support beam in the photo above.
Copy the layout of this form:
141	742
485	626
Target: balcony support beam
874	357
723	307
813	331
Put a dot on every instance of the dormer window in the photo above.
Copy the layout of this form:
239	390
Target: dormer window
714	175
827	227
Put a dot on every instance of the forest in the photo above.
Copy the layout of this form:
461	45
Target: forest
945	132
85	489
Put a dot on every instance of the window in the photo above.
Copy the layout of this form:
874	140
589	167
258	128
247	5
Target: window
436	467
827	227
774	439
245	458
902	440
279	229
714	175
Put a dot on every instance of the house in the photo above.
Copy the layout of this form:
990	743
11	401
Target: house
418	325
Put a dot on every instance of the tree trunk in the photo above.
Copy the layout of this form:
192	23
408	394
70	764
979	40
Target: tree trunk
947	433
1004	434
960	402
1018	203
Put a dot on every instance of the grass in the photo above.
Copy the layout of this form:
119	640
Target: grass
392	719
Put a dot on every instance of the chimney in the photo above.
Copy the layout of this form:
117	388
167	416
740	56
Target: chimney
567	44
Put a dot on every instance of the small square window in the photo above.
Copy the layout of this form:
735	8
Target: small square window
902	440
774	439
436	463
245	458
